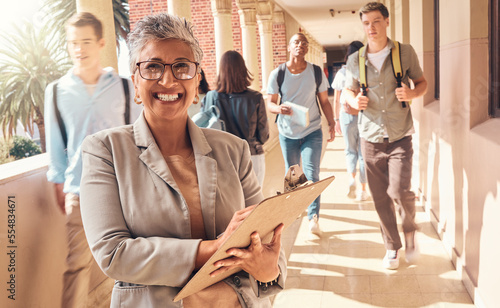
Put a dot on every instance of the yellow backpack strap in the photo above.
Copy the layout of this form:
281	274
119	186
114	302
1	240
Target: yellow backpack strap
362	69
396	66
396	63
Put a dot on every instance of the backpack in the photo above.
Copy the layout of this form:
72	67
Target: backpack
60	121
209	117
396	68
318	77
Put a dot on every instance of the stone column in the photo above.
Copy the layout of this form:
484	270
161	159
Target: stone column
403	13
321	51
221	10
265	22
247	9
181	8
392	21
314	50
309	56
103	10
319	54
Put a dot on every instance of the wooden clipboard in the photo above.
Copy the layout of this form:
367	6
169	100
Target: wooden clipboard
266	216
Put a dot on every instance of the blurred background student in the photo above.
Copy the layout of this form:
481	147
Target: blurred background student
346	119
203	88
242	109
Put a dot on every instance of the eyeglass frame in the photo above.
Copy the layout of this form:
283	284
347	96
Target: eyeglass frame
138	64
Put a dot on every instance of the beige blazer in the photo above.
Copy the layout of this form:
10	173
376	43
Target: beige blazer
137	222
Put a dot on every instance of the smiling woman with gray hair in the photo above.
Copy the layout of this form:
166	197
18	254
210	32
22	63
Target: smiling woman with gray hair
159	197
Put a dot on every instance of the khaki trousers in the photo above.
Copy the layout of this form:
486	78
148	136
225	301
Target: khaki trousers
76	278
388	170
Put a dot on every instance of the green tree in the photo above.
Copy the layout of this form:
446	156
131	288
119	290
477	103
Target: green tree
23	147
4	151
30	59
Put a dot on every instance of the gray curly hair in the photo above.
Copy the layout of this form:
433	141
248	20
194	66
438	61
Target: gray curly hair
159	27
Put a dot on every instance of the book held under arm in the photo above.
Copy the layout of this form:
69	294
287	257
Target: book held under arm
300	114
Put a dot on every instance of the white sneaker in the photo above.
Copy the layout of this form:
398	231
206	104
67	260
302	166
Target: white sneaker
391	260
314	225
352	190
412	251
362	195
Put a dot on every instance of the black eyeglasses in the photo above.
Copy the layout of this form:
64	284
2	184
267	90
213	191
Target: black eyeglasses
153	70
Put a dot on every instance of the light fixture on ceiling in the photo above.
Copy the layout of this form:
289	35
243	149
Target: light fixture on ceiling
332	12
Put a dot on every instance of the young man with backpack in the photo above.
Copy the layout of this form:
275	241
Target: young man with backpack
304	84
383	96
87	99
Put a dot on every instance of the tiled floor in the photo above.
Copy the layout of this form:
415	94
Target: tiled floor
343	268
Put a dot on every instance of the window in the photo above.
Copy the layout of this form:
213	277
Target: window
436	50
494	58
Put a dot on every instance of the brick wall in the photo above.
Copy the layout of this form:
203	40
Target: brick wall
237	39
279	44
201	15
203	21
235	23
141	8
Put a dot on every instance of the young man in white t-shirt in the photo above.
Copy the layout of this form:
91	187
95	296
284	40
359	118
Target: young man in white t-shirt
385	127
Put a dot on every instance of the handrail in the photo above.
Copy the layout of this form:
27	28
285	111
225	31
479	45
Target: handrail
23	167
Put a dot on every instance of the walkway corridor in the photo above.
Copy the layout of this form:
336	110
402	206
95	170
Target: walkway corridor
343	268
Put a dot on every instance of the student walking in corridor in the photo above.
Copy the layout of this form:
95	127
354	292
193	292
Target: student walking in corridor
300	82
386	125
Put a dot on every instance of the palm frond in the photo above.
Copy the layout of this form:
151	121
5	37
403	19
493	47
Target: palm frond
30	60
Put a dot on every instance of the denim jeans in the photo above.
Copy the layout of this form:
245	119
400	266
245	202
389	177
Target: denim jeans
349	127
309	148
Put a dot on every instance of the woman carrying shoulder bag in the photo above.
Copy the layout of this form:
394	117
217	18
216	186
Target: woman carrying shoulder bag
242	109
